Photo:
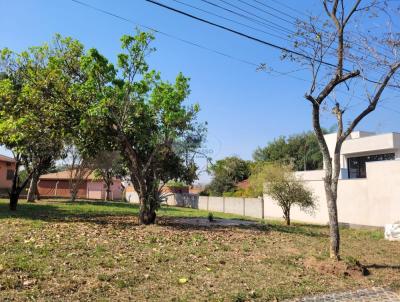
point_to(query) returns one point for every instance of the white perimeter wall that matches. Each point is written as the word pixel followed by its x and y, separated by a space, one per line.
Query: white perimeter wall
pixel 371 201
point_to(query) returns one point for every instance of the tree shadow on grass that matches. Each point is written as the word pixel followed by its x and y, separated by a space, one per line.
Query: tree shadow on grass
pixel 382 266
pixel 263 228
pixel 61 210
pixel 301 229
pixel 124 215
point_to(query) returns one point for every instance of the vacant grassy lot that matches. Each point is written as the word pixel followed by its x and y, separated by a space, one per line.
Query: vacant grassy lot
pixel 59 251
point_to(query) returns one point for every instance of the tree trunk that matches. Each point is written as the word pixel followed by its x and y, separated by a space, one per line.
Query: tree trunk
pixel 32 192
pixel 74 193
pixel 332 171
pixel 333 222
pixel 14 192
pixel 287 219
pixel 108 191
pixel 148 206
pixel 14 195
pixel 286 216
pixel 147 215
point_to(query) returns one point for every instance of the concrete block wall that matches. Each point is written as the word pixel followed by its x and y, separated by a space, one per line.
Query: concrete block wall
pixel 371 201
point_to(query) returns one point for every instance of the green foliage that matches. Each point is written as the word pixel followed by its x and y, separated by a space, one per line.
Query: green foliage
pixel 300 150
pixel 37 103
pixel 143 117
pixel 227 173
pixel 176 184
pixel 281 184
pixel 210 217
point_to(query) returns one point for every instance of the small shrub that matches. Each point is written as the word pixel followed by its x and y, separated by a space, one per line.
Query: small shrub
pixel 280 183
pixel 240 297
pixel 210 217
pixel 103 277
pixel 351 261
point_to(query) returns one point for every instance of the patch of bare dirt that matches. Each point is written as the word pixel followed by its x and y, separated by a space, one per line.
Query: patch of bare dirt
pixel 338 268
pixel 204 222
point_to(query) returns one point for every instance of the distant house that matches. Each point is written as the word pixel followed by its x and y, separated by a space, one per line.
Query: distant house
pixel 243 185
pixel 196 189
pixel 58 185
pixel 7 168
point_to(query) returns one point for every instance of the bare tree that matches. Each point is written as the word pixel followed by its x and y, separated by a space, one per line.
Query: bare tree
pixel 37 166
pixel 79 168
pixel 108 166
pixel 346 49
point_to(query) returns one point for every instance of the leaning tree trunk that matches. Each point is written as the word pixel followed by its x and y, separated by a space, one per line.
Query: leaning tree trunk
pixel 14 191
pixel 32 192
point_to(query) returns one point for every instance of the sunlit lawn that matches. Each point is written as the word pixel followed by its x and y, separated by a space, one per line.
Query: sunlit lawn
pixel 96 251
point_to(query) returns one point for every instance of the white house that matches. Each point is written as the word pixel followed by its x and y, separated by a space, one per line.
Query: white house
pixel 362 147
pixel 369 184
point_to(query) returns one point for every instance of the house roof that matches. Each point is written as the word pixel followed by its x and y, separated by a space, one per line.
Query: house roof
pixel 65 175
pixel 7 159
pixel 244 184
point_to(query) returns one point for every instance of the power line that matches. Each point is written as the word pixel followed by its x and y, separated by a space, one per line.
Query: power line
pixel 270 44
pixel 274 9
pixel 264 22
pixel 266 12
pixel 321 29
pixel 243 61
pixel 231 20
pixel 273 45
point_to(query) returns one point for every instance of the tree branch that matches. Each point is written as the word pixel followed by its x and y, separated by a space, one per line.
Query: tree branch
pixel 374 101
pixel 336 80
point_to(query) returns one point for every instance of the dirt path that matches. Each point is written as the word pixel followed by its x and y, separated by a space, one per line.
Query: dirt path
pixel 364 295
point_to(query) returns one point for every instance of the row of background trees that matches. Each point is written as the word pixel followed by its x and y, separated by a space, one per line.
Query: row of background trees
pixel 270 172
pixel 299 152
pixel 59 101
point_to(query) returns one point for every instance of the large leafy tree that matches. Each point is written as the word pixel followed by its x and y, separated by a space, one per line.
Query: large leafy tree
pixel 143 117
pixel 36 107
pixel 299 150
pixel 227 173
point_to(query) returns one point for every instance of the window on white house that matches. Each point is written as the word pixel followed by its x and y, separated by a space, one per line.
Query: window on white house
pixel 357 167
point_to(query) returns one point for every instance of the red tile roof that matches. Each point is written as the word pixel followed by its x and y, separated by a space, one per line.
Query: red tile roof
pixel 65 175
pixel 7 159
pixel 244 184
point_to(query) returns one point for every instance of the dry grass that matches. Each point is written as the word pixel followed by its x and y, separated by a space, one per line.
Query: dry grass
pixel 58 251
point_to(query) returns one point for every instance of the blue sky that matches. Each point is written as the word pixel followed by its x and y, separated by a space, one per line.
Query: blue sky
pixel 244 108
